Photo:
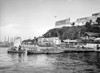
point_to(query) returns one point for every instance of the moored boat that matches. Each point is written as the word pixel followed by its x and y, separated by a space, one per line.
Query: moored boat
pixel 45 50
pixel 16 51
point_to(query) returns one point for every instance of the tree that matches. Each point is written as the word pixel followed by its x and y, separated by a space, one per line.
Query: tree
pixel 73 23
pixel 87 25
pixel 98 20
pixel 90 21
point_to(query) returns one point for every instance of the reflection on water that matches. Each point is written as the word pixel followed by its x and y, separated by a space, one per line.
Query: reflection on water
pixel 17 58
pixel 53 63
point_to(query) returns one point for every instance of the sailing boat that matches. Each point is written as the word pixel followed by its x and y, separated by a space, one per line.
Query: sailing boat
pixel 16 47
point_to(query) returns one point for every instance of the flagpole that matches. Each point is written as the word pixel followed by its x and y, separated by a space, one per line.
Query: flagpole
pixel 8 39
pixel 55 19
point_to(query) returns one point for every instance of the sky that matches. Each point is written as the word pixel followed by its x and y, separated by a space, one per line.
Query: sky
pixel 30 18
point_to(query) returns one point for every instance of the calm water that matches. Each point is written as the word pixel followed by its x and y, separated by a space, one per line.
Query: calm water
pixel 54 63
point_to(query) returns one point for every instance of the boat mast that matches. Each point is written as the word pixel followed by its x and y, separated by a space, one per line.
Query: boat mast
pixel 5 39
pixel 8 39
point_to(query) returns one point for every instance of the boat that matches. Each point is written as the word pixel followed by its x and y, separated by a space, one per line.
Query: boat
pixel 45 50
pixel 16 47
pixel 14 50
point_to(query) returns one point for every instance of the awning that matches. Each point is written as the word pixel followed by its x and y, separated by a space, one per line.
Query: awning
pixel 97 39
pixel 72 41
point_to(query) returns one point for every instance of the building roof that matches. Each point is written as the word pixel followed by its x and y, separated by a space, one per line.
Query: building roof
pixel 27 40
pixel 97 39
pixel 47 37
pixel 91 34
pixel 68 40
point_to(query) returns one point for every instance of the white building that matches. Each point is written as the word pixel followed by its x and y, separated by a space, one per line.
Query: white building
pixel 63 23
pixel 82 21
pixel 49 41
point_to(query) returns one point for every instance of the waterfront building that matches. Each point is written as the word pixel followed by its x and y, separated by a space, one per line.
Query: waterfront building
pixel 49 41
pixel 70 43
pixel 91 39
pixel 63 23
pixel 90 35
pixel 97 40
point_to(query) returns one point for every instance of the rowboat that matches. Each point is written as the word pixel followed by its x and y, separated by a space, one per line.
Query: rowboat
pixel 15 50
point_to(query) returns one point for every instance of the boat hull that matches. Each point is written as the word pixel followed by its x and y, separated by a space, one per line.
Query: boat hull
pixel 37 52
pixel 45 51
pixel 13 50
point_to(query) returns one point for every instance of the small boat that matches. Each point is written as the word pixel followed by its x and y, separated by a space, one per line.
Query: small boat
pixel 13 50
pixel 16 48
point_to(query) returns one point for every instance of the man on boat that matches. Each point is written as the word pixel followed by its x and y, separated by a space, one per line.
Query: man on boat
pixel 19 48
pixel 97 47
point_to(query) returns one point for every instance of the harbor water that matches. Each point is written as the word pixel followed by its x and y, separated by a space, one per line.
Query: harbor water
pixel 52 63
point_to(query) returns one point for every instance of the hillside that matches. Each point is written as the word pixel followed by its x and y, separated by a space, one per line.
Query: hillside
pixel 73 32
pixel 66 32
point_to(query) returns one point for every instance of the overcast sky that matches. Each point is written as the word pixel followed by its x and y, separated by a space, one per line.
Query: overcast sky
pixel 29 18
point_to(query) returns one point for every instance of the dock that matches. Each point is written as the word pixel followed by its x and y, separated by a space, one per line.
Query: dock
pixel 81 50
pixel 58 50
